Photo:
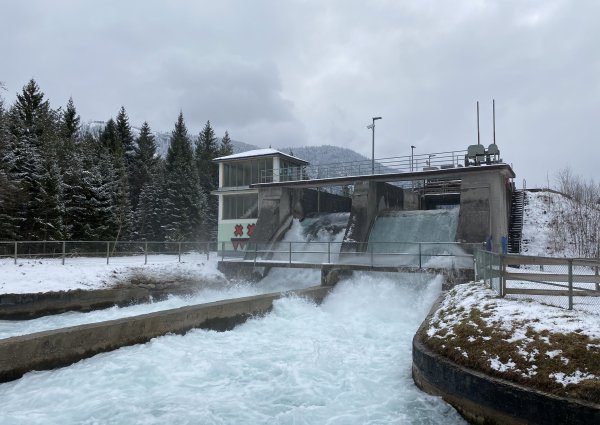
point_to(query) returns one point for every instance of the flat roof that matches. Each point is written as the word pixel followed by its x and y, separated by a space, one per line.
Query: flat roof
pixel 258 153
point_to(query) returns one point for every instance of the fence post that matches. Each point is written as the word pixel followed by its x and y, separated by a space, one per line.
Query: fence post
pixel 570 284
pixel 597 283
pixel 107 251
pixel 207 251
pixel 179 251
pixel 329 252
pixel 420 259
pixel 222 251
pixel 290 253
pixel 371 249
pixel 145 252
pixel 16 251
pixel 63 252
pixel 502 277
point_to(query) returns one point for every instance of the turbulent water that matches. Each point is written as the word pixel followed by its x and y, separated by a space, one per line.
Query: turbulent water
pixel 347 361
pixel 398 233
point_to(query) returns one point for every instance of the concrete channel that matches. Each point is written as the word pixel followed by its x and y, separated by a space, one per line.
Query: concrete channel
pixel 61 347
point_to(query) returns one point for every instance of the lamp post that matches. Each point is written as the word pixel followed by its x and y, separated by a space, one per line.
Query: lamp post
pixel 429 161
pixel 372 127
pixel 412 156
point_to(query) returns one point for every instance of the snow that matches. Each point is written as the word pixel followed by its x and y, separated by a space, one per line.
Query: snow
pixel 258 152
pixel 514 316
pixel 46 275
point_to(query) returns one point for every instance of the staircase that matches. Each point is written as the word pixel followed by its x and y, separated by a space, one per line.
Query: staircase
pixel 515 226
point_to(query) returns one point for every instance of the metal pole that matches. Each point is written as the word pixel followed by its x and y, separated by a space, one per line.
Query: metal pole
pixel 420 260
pixel 329 253
pixel 371 249
pixel 478 137
pixel 373 149
pixel 179 251
pixel 222 251
pixel 207 251
pixel 570 284
pixel 255 249
pixel 290 253
pixel 145 252
pixel 16 250
pixel 63 252
pixel 494 118
pixel 107 251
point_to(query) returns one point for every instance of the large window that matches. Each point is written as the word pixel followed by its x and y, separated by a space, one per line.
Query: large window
pixel 289 171
pixel 244 173
pixel 240 206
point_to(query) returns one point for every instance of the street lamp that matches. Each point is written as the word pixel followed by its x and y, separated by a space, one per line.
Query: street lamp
pixel 429 161
pixel 372 127
pixel 412 156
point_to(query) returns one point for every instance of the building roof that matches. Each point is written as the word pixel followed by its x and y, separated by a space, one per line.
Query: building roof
pixel 258 153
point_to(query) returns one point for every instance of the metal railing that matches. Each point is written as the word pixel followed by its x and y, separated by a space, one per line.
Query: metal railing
pixel 394 254
pixel 563 282
pixel 391 165
pixel 66 250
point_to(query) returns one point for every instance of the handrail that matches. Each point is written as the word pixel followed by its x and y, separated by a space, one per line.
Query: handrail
pixel 388 165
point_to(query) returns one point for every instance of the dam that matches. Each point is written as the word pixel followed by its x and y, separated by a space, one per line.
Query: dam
pixel 345 359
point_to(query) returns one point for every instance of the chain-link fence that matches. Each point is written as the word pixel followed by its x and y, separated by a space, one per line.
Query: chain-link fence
pixel 129 252
pixel 570 283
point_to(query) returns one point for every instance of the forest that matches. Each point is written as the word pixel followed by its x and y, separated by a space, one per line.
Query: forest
pixel 61 182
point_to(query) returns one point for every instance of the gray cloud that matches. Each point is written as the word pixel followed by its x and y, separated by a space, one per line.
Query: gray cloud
pixel 312 72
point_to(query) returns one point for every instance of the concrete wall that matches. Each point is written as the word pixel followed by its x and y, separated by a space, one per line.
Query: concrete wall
pixel 310 201
pixel 29 306
pixel 56 348
pixel 484 208
pixel 483 399
pixel 368 199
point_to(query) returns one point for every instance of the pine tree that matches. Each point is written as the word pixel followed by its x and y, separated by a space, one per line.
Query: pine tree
pixel 184 201
pixel 144 162
pixel 207 149
pixel 226 146
pixel 34 125
pixel 126 137
pixel 11 192
pixel 117 175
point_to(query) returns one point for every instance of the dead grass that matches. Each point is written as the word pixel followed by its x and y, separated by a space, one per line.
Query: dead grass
pixel 530 361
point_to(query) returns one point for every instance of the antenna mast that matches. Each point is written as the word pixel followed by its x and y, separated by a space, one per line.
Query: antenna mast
pixel 494 118
pixel 478 137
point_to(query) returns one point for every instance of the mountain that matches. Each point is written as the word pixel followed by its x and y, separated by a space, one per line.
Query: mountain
pixel 315 155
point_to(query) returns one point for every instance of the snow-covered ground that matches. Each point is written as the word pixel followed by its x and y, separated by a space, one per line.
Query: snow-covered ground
pixel 512 336
pixel 45 275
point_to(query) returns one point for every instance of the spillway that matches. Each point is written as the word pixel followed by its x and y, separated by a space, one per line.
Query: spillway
pixel 347 361
pixel 427 233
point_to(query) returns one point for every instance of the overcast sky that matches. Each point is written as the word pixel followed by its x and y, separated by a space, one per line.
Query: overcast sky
pixel 308 72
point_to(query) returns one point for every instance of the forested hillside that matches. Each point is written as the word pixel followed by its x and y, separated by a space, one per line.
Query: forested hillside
pixel 61 180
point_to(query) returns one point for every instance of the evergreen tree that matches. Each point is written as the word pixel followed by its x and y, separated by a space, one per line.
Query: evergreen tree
pixel 116 177
pixel 69 132
pixel 34 125
pixel 11 192
pixel 207 149
pixel 184 201
pixel 125 135
pixel 226 146
pixel 144 162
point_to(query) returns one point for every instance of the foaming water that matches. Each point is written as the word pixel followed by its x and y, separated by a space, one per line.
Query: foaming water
pixel 347 361
pixel 216 292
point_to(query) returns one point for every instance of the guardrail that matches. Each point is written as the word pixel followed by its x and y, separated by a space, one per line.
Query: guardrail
pixel 64 250
pixel 421 254
pixel 564 282
pixel 391 165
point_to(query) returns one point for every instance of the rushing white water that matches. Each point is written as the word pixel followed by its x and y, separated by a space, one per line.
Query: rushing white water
pixel 321 228
pixel 347 361
pixel 399 232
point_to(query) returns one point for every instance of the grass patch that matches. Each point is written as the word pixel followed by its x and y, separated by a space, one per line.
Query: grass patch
pixel 515 351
